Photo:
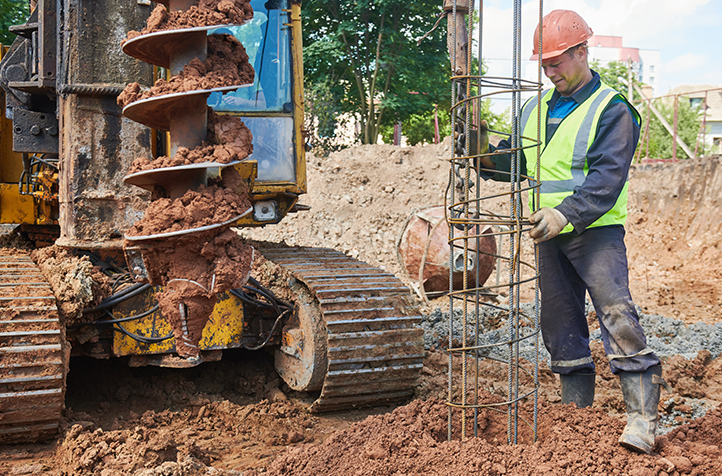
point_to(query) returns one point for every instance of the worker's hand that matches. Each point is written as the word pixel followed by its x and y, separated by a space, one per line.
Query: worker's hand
pixel 481 137
pixel 548 223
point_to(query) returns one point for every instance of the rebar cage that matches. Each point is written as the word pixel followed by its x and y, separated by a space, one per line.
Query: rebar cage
pixel 481 325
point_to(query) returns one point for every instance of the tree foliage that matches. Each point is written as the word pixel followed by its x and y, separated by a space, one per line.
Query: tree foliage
pixel 660 140
pixel 419 128
pixel 12 12
pixel 615 74
pixel 366 50
pixel 322 116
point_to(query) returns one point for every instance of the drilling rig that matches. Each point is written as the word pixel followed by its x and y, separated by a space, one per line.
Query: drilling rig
pixel 70 177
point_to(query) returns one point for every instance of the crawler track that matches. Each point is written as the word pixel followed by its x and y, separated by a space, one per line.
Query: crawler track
pixel 375 345
pixel 32 361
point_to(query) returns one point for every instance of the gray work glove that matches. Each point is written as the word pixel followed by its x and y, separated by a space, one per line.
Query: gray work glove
pixel 548 223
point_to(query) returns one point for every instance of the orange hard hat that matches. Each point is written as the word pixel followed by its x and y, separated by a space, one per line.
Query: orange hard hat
pixel 562 29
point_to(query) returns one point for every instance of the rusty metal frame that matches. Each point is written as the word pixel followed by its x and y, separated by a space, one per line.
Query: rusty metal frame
pixel 465 210
pixel 644 142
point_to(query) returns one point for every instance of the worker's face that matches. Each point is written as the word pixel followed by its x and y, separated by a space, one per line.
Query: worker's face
pixel 568 72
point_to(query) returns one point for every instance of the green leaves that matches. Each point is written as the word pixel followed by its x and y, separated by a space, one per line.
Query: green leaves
pixel 366 51
pixel 12 12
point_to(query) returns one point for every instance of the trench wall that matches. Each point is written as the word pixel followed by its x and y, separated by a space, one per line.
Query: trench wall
pixel 686 194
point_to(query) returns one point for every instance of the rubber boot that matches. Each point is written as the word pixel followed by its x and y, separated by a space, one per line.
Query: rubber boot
pixel 578 388
pixel 641 396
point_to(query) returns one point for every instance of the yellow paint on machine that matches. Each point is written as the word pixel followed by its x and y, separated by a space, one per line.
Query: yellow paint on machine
pixel 15 208
pixel 223 330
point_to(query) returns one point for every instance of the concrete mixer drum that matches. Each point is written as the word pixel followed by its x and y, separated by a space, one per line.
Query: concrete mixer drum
pixel 424 254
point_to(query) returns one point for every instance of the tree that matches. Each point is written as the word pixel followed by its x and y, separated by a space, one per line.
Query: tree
pixel 615 74
pixel 660 140
pixel 419 128
pixel 12 12
pixel 367 51
pixel 322 115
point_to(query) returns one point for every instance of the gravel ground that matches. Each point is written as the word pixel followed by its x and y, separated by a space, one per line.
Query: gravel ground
pixel 666 336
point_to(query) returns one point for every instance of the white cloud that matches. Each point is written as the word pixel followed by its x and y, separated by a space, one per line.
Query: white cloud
pixel 685 62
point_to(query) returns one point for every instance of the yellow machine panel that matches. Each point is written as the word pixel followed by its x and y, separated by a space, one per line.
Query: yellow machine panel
pixel 15 208
pixel 224 329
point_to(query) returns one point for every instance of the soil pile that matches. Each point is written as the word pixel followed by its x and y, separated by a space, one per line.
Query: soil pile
pixel 226 65
pixel 229 137
pixel 412 440
pixel 673 239
pixel 75 282
pixel 361 197
pixel 206 13
pixel 218 418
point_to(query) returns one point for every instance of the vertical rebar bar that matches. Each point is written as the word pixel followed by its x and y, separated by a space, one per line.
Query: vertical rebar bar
pixel 451 187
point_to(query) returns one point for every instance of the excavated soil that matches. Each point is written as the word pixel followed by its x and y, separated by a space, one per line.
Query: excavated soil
pixel 208 205
pixel 229 137
pixel 196 266
pixel 412 440
pixel 226 65
pixel 76 283
pixel 206 13
pixel 236 416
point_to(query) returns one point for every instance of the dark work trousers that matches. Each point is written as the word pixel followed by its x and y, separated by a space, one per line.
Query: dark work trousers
pixel 595 261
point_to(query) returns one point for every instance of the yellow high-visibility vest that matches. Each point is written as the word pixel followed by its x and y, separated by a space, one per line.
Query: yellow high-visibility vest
pixel 564 158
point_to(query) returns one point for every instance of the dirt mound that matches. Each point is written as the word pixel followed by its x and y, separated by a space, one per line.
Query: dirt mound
pixel 361 197
pixel 225 416
pixel 673 239
pixel 412 440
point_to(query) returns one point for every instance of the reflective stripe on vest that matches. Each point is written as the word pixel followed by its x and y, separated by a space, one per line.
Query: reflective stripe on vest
pixel 564 158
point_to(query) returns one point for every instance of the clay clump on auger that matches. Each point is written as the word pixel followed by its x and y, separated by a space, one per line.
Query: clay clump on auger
pixel 208 12
pixel 228 140
pixel 195 266
pixel 226 65
pixel 194 269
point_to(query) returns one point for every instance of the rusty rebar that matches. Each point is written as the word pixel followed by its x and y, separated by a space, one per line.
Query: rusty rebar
pixel 469 339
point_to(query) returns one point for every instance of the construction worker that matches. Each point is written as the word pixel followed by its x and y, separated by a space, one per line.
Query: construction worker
pixel 589 135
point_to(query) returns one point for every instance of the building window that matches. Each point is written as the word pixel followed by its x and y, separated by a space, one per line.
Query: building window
pixel 695 102
pixel 651 79
pixel 651 68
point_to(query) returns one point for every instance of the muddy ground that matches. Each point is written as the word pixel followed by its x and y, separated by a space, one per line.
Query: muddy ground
pixel 237 417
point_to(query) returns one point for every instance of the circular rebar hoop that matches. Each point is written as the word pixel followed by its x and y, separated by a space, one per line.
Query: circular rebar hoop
pixel 472 336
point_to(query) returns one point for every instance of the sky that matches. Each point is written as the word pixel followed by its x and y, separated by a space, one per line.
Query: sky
pixel 688 33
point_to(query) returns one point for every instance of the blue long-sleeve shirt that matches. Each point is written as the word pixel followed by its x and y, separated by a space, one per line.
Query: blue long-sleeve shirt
pixel 609 156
